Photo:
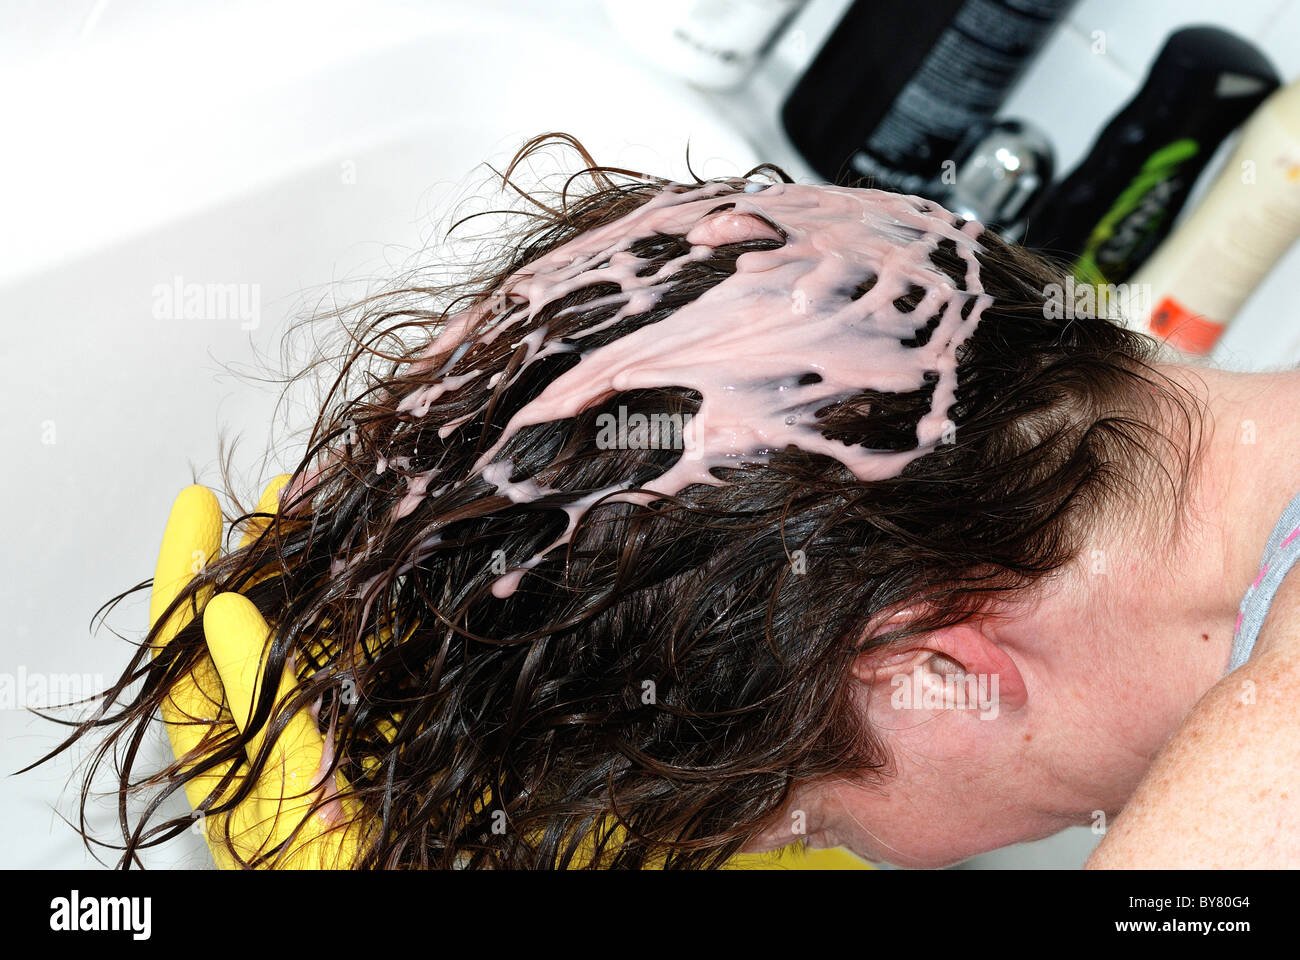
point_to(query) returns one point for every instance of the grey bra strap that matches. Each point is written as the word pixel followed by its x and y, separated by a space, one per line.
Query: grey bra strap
pixel 1280 554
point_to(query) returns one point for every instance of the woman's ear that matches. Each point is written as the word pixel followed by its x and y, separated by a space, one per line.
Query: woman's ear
pixel 949 667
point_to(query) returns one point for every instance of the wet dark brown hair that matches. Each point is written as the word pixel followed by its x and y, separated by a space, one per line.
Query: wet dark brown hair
pixel 533 710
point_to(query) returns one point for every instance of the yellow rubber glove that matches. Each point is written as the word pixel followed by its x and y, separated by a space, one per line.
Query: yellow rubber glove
pixel 793 858
pixel 219 695
pixel 238 639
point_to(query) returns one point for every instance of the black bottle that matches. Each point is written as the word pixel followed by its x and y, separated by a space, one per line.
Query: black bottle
pixel 897 86
pixel 1113 210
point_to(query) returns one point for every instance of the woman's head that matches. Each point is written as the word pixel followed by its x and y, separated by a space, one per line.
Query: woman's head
pixel 601 572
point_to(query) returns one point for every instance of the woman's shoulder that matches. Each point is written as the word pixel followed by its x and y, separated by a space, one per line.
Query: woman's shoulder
pixel 1224 792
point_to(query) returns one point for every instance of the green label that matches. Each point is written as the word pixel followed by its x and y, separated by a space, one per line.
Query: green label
pixel 1137 213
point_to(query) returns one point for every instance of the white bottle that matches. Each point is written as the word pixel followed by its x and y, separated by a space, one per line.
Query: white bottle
pixel 1192 287
pixel 711 43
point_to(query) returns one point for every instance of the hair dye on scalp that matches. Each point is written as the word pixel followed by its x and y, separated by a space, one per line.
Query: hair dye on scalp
pixel 812 322
pixel 879 392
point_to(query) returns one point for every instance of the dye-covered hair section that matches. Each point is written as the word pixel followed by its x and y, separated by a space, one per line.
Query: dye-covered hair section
pixel 848 300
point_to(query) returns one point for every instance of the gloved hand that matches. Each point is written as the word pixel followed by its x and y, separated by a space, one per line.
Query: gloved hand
pixel 238 639
pixel 218 698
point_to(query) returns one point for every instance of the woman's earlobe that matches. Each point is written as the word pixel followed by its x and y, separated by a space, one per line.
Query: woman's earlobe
pixel 947 668
pixel 984 660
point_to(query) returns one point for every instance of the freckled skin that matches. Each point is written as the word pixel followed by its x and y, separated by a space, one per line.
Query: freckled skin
pixel 1244 732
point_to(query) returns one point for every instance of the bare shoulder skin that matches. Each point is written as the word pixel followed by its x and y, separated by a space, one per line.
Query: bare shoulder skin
pixel 1224 792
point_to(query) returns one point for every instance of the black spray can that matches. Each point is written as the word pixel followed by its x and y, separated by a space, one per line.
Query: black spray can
pixel 898 86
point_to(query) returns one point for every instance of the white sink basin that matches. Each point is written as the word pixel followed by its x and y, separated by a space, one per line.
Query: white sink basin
pixel 175 116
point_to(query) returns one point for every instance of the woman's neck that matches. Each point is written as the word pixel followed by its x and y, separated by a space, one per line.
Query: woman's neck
pixel 1145 627
pixel 1247 471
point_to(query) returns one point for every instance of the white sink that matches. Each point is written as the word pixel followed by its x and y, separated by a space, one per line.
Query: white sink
pixel 129 132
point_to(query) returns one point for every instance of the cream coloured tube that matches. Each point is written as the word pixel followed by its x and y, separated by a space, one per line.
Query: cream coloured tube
pixel 1194 285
